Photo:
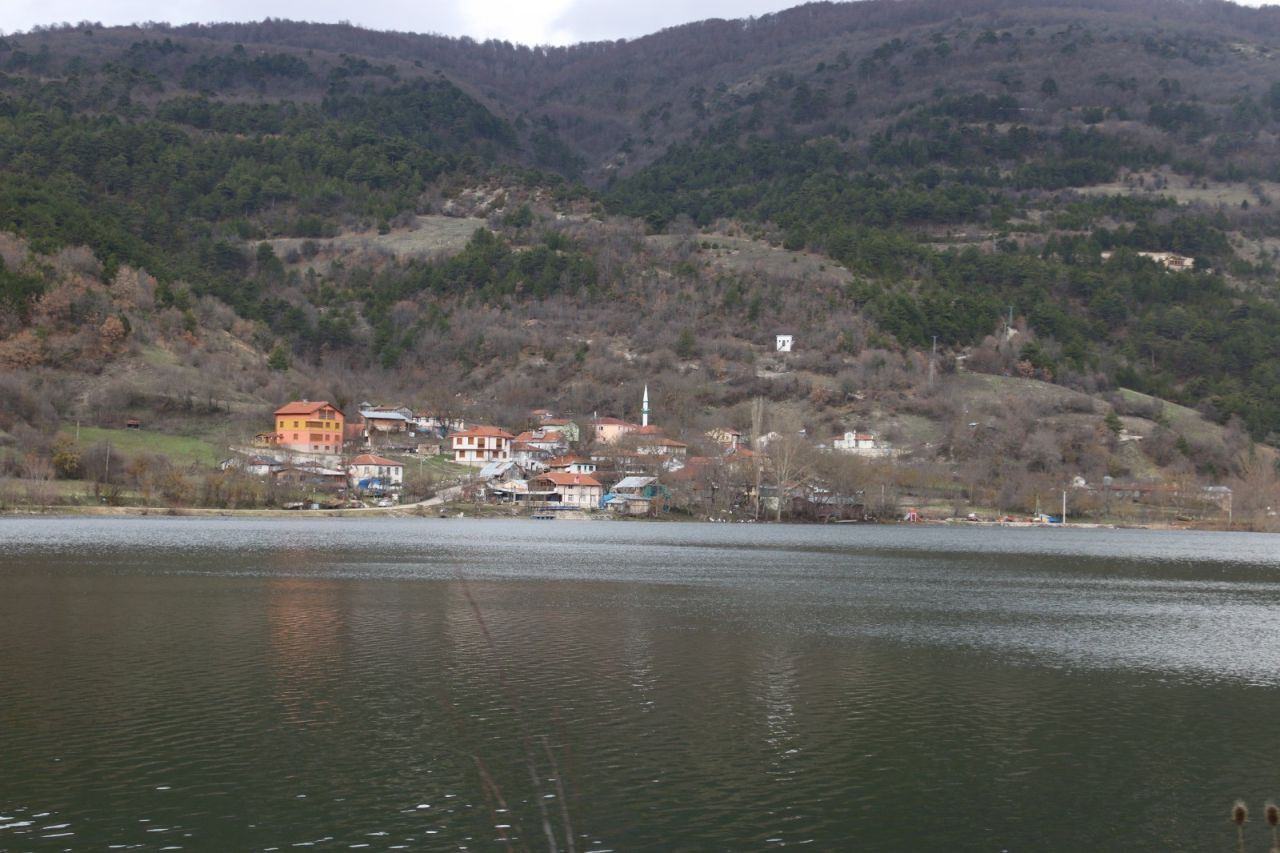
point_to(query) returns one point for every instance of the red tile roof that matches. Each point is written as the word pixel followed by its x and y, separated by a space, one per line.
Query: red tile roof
pixel 566 461
pixel 302 407
pixel 370 459
pixel 479 431
pixel 563 479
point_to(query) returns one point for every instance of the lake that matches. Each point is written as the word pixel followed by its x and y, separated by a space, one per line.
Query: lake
pixel 229 684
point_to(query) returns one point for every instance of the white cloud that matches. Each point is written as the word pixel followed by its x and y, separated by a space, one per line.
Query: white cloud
pixel 516 21
pixel 528 22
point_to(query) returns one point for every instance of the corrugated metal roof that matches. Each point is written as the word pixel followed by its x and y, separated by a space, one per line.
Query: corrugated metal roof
pixel 634 482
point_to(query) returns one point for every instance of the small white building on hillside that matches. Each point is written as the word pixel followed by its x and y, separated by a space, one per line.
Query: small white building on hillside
pixel 369 472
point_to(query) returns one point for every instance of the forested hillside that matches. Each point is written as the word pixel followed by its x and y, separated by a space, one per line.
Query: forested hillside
pixel 896 172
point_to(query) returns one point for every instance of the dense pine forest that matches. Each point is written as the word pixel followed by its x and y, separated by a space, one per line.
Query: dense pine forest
pixel 273 206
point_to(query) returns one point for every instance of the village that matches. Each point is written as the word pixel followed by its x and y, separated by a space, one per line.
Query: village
pixel 601 466
pixel 548 467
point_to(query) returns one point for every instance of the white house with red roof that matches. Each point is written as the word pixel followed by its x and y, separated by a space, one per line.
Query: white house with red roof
pixel 375 472
pixel 579 490
pixel 480 445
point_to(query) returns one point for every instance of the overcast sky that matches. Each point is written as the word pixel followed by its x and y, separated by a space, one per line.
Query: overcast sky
pixel 524 21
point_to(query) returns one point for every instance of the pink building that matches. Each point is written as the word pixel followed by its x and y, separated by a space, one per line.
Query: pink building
pixel 610 430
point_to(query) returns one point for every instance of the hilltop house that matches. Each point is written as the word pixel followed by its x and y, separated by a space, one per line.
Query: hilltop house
pixel 1171 261
pixel 308 426
pixel 726 437
pixel 611 430
pixel 480 445
pixel 860 444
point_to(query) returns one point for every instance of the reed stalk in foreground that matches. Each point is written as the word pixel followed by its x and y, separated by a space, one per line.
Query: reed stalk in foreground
pixel 1239 814
pixel 1272 813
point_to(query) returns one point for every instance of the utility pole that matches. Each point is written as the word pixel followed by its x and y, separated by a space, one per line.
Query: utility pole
pixel 1064 506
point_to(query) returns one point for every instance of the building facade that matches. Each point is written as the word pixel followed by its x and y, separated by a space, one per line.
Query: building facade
pixel 368 469
pixel 480 445
pixel 579 490
pixel 308 426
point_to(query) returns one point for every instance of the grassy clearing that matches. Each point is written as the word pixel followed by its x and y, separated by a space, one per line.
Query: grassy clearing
pixel 1183 189
pixel 180 449
pixel 441 467
pixel 1006 389
pixel 1187 422
pixel 744 256
pixel 427 237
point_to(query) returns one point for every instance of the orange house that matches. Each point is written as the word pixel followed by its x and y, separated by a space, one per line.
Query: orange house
pixel 310 427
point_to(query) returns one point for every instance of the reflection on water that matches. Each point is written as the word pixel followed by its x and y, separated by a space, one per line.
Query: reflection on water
pixel 221 684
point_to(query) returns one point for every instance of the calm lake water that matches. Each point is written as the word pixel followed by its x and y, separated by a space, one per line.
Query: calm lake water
pixel 218 684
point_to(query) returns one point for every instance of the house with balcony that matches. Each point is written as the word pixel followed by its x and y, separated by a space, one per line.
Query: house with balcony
pixel 480 445
pixel 577 490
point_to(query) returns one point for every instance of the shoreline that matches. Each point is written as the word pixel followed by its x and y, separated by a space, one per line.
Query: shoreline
pixel 430 511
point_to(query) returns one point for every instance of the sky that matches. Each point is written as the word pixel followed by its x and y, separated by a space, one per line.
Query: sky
pixel 529 22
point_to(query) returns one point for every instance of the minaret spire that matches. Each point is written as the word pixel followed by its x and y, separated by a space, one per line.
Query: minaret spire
pixel 644 409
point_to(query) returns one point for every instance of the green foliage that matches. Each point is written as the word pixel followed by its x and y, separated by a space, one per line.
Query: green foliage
pixel 279 358
pixel 434 114
pixel 1181 117
pixel 686 346
pixel 238 70
pixel 18 290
